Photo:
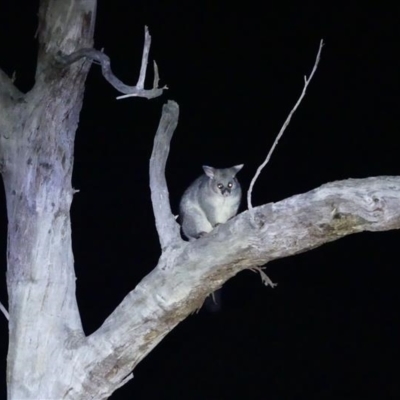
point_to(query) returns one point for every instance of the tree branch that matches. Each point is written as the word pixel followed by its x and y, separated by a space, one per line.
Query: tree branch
pixel 168 295
pixel 104 60
pixel 4 311
pixel 285 125
pixel 64 34
pixel 7 88
pixel 167 227
pixel 145 59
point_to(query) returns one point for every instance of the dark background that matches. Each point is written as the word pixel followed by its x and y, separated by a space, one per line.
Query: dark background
pixel 330 330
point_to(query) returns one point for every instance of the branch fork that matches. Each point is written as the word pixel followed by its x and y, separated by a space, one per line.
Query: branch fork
pixel 128 91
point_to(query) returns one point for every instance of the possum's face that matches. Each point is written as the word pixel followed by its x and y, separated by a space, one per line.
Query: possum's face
pixel 223 181
pixel 224 185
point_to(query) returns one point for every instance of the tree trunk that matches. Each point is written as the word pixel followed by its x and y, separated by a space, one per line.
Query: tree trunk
pixel 37 144
pixel 40 276
pixel 49 356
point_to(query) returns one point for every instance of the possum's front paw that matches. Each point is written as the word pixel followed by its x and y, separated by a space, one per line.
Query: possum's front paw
pixel 201 234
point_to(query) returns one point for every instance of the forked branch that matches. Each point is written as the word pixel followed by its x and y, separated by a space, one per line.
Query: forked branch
pixel 167 296
pixel 284 126
pixel 128 91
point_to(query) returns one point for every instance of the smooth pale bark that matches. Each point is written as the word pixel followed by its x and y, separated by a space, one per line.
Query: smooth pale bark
pixel 37 132
pixel 49 356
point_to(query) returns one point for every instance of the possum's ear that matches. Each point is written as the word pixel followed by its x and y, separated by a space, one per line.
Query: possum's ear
pixel 237 168
pixel 209 171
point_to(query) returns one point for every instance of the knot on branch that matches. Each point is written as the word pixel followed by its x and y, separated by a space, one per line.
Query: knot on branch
pixel 259 216
pixel 375 204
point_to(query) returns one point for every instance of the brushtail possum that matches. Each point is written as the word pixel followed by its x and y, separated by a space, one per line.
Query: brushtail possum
pixel 212 199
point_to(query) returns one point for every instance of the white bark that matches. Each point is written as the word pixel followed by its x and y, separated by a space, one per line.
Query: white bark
pixel 37 140
pixel 49 356
pixel 37 131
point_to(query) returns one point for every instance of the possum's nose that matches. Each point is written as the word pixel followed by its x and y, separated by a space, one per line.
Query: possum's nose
pixel 226 192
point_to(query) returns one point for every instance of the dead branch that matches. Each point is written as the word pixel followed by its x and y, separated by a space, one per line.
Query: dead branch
pixel 145 59
pixel 265 279
pixel 167 227
pixel 284 126
pixel 104 60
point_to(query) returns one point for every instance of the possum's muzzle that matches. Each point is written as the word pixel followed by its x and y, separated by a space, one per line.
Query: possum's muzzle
pixel 225 192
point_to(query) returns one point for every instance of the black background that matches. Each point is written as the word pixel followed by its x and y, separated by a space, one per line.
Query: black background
pixel 330 330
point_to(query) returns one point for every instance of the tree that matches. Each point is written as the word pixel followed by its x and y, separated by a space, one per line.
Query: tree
pixel 49 355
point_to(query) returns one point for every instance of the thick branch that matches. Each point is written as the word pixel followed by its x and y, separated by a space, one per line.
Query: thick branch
pixel 167 227
pixel 168 295
pixel 104 60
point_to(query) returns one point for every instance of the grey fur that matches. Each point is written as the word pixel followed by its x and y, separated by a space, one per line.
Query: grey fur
pixel 204 205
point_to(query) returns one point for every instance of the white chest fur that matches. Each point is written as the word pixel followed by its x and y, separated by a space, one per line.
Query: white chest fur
pixel 224 208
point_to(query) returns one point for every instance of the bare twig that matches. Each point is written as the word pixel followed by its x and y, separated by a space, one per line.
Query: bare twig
pixel 260 168
pixel 4 311
pixel 167 227
pixel 125 380
pixel 156 75
pixel 104 60
pixel 264 277
pixel 7 87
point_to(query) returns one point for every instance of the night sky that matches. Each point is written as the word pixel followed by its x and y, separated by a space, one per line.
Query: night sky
pixel 331 328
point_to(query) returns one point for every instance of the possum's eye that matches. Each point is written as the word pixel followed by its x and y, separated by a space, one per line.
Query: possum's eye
pixel 230 184
pixel 220 186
